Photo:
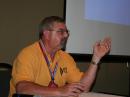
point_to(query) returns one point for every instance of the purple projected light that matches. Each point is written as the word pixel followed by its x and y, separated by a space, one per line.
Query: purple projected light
pixel 111 11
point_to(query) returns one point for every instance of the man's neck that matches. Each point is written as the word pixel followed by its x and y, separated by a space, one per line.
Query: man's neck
pixel 49 50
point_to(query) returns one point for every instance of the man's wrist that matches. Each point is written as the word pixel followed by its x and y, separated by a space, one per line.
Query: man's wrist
pixel 93 62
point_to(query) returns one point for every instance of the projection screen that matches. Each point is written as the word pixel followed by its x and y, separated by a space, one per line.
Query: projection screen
pixel 93 20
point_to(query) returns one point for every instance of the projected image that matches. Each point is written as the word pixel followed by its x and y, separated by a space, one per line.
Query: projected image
pixel 93 20
pixel 111 11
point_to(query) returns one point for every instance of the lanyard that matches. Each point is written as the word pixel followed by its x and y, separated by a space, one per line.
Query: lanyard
pixel 52 72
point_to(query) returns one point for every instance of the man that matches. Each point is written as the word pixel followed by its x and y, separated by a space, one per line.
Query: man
pixel 44 69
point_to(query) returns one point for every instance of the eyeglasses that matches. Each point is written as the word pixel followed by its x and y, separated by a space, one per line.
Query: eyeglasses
pixel 61 31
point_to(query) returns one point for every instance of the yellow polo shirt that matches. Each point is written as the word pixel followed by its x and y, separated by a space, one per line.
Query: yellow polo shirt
pixel 30 65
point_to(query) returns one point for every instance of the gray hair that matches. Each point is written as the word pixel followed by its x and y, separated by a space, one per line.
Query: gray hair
pixel 47 23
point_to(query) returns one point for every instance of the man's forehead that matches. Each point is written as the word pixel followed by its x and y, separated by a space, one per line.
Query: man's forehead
pixel 59 25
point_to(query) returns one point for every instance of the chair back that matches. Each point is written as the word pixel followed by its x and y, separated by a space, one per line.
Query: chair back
pixel 5 75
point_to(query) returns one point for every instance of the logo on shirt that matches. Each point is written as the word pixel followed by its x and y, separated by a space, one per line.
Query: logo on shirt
pixel 63 70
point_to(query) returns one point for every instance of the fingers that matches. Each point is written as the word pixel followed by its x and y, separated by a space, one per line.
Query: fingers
pixel 97 43
pixel 79 86
pixel 101 48
pixel 106 43
pixel 75 88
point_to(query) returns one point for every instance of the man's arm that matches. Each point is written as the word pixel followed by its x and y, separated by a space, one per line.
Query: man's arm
pixel 89 76
pixel 26 87
pixel 100 49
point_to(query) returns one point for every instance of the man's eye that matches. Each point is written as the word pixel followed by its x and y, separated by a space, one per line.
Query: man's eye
pixel 61 31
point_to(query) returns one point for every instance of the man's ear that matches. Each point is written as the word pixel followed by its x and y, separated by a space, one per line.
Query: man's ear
pixel 46 34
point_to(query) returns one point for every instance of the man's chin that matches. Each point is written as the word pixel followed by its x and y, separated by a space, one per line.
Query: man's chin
pixel 63 47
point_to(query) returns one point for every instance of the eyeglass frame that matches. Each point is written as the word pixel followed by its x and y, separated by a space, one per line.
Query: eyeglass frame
pixel 61 31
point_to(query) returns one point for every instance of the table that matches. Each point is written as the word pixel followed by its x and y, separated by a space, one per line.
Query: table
pixel 94 94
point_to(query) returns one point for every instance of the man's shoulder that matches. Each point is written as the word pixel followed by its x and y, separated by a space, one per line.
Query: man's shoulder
pixel 32 45
pixel 30 48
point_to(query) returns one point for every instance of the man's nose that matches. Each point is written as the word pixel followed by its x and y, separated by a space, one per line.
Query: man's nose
pixel 66 34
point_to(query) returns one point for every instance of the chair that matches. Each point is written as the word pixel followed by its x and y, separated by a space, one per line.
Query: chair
pixel 5 75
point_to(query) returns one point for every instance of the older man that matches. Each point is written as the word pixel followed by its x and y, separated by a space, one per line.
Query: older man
pixel 44 69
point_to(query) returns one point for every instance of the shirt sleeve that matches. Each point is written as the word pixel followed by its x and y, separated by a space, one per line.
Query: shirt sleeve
pixel 73 72
pixel 22 67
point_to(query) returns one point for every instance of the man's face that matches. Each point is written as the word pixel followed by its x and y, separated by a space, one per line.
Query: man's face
pixel 58 36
